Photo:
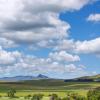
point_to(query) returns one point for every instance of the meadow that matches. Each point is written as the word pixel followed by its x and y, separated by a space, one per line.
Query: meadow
pixel 22 93
pixel 45 87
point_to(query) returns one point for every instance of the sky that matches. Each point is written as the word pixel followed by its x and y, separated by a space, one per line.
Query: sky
pixel 56 38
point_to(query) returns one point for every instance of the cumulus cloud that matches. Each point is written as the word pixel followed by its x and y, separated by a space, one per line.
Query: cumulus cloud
pixel 36 23
pixel 37 20
pixel 65 44
pixel 64 57
pixel 90 46
pixel 5 43
pixel 72 68
pixel 7 58
pixel 56 30
pixel 82 47
pixel 94 17
pixel 28 64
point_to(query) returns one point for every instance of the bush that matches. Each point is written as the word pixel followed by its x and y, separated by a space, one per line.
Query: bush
pixel 37 97
pixel 27 97
pixel 54 97
pixel 94 94
pixel 11 93
pixel 74 96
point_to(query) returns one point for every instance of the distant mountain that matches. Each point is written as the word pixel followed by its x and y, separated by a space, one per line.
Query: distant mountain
pixel 42 76
pixel 17 78
pixel 95 78
pixel 21 78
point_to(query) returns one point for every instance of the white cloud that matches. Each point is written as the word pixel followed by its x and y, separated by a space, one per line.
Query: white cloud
pixel 16 62
pixel 64 57
pixel 7 43
pixel 82 47
pixel 36 19
pixel 37 23
pixel 91 46
pixel 72 68
pixel 94 17
pixel 65 44
pixel 7 58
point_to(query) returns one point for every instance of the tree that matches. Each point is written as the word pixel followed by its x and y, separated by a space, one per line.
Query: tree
pixel 54 97
pixel 37 97
pixel 11 93
pixel 28 97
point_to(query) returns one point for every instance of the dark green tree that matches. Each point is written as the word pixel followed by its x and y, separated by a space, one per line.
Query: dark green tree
pixel 37 97
pixel 54 97
pixel 11 93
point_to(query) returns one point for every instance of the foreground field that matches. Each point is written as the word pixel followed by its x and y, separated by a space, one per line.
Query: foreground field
pixel 45 87
pixel 20 98
pixel 61 93
pixel 22 94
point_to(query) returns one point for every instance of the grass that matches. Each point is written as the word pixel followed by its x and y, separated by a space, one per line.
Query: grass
pixel 22 94
pixel 46 88
pixel 46 93
pixel 20 98
pixel 61 93
pixel 48 85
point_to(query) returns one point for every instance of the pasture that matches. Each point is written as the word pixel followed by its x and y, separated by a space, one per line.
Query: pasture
pixel 46 88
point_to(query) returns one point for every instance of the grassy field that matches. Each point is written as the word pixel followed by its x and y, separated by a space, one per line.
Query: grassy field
pixel 45 87
pixel 22 94
pixel 52 85
pixel 20 98
pixel 46 93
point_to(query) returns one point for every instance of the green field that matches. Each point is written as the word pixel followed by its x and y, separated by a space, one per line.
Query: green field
pixel 45 87
pixel 23 93
pixel 52 85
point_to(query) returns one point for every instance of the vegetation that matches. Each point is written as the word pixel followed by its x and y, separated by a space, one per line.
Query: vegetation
pixel 54 97
pixel 48 84
pixel 92 94
pixel 11 93
pixel 50 89
pixel 37 97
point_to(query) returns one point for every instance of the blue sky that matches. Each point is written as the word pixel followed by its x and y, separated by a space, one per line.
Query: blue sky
pixel 81 28
pixel 84 30
pixel 60 39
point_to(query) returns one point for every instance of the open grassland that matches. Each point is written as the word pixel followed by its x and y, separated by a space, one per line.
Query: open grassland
pixel 49 85
pixel 45 87
pixel 21 98
pixel 23 93
pixel 46 93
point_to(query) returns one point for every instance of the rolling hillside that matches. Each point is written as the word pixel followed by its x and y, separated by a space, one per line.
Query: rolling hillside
pixel 95 77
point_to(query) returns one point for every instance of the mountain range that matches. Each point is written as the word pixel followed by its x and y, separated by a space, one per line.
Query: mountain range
pixel 41 77
pixel 21 78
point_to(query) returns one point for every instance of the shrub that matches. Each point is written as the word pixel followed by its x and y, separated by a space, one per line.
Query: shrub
pixel 74 96
pixel 94 94
pixel 37 97
pixel 11 93
pixel 54 97
pixel 27 97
